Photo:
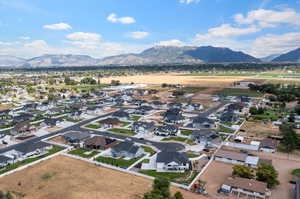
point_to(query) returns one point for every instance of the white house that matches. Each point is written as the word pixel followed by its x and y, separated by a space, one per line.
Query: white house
pixel 172 162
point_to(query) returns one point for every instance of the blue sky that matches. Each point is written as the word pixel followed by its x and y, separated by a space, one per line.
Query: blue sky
pixel 102 28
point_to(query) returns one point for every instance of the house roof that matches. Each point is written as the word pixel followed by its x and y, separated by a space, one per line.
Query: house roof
pixel 126 146
pixel 247 184
pixel 99 141
pixel 167 157
pixel 269 143
pixel 202 120
pixel 146 125
pixel 4 159
pixel 27 148
pixel 76 135
pixel 167 128
pixel 120 114
pixel 112 121
pixel 231 155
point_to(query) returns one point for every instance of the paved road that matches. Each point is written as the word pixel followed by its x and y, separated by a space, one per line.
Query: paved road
pixel 77 127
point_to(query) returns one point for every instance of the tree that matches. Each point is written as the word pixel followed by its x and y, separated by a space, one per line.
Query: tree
pixel 115 82
pixel 242 171
pixel 290 138
pixel 88 80
pixel 267 173
pixel 161 190
pixel 292 117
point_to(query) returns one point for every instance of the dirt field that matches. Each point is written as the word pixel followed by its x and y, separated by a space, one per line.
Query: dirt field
pixel 58 139
pixel 215 176
pixel 260 130
pixel 67 178
pixel 284 164
pixel 207 81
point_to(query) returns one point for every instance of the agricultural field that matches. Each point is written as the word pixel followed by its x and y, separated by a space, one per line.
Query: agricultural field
pixel 64 177
pixel 237 92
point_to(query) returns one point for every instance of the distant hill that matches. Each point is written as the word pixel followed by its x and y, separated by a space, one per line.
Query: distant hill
pixel 154 55
pixel 269 58
pixel 11 61
pixel 61 60
pixel 181 55
pixel 213 54
pixel 292 56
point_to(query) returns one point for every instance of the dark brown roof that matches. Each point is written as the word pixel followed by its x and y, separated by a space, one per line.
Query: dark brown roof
pixel 112 121
pixel 247 184
pixel 269 143
pixel 99 141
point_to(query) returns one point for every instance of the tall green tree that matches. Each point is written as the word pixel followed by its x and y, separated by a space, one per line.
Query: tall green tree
pixel 242 171
pixel 267 173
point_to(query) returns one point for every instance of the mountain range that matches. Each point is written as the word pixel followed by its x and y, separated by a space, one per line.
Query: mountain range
pixel 151 56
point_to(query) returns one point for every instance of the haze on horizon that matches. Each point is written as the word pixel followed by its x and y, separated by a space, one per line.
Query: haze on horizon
pixel 30 28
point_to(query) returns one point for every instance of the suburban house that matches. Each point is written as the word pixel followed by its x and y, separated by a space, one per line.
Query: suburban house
pixel 76 137
pixel 143 127
pixel 167 130
pixel 99 143
pixel 4 161
pixel 238 108
pixel 202 122
pixel 229 117
pixel 94 110
pixel 23 128
pixel 23 117
pixel 127 149
pixel 142 110
pixel 193 107
pixel 172 162
pixel 110 123
pixel 249 187
pixel 234 157
pixel 75 115
pixel 268 145
pixel 121 115
pixel 34 149
pixel 157 104
pixel 175 105
pixel 173 115
pixel 206 137
pixel 51 122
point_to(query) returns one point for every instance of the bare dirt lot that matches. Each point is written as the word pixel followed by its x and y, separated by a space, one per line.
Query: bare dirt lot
pixel 260 130
pixel 207 81
pixel 215 176
pixel 65 178
pixel 58 139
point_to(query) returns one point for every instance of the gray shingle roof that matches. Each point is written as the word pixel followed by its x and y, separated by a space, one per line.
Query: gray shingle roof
pixel 167 157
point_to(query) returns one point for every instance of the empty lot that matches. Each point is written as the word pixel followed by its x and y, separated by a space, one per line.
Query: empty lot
pixel 67 178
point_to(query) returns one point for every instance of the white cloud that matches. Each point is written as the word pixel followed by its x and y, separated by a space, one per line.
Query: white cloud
pixel 124 20
pixel 58 26
pixel 226 30
pixel 274 44
pixel 269 18
pixel 37 44
pixel 84 36
pixel 173 42
pixel 138 35
pixel 189 1
pixel 24 38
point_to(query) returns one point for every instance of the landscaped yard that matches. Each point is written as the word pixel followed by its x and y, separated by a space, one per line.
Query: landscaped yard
pixel 226 130
pixel 135 118
pixel 181 178
pixel 54 149
pixel 122 131
pixel 118 162
pixel 148 149
pixel 72 120
pixel 93 126
pixel 84 153
pixel 180 139
pixel 237 92
pixel 186 132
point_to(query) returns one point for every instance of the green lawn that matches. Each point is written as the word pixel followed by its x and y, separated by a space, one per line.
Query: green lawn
pixel 186 132
pixel 118 162
pixel 226 130
pixel 174 177
pixel 55 149
pixel 122 131
pixel 72 120
pixel 192 155
pixel 135 118
pixel 296 172
pixel 93 126
pixel 180 139
pixel 148 149
pixel 125 124
pixel 237 92
pixel 80 152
